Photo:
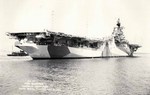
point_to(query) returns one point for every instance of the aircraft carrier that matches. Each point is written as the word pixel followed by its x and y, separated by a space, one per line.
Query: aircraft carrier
pixel 53 45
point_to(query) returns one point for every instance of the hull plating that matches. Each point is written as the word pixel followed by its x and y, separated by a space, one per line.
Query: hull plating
pixel 51 51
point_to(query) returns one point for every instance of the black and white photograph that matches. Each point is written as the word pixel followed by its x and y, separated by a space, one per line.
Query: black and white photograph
pixel 74 47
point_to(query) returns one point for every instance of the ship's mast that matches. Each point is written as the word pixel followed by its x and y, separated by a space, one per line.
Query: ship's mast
pixel 118 29
pixel 52 20
pixel 118 23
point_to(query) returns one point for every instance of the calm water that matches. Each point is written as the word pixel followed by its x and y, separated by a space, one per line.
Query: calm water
pixel 112 76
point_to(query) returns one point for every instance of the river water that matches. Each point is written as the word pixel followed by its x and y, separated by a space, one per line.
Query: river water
pixel 100 76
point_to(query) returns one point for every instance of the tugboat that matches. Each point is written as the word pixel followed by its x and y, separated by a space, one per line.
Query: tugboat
pixel 21 53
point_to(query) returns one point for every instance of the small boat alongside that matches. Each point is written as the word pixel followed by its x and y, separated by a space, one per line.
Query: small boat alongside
pixel 20 53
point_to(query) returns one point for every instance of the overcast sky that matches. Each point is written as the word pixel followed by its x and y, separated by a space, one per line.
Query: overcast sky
pixel 90 18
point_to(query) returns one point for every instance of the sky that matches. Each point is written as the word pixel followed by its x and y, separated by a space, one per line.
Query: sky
pixel 86 18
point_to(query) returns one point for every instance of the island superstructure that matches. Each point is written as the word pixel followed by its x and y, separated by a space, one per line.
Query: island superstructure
pixel 51 45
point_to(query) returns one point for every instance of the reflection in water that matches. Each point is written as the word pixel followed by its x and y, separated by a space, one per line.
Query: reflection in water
pixel 112 76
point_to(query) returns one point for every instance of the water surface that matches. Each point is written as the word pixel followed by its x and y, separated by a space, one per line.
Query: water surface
pixel 101 76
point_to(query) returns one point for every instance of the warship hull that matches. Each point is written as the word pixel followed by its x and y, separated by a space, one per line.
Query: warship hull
pixel 58 52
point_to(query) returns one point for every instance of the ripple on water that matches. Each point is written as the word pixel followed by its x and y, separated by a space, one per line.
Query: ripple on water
pixel 111 76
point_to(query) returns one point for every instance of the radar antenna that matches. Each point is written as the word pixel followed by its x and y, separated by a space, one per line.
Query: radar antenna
pixel 118 23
